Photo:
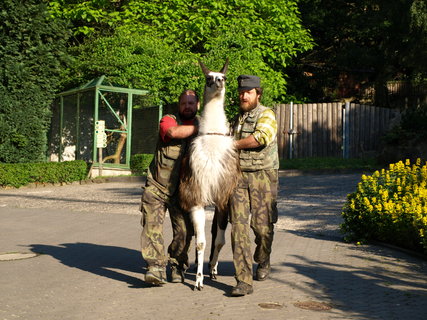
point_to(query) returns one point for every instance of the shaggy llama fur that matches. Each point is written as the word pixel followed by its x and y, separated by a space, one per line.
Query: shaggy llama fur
pixel 212 171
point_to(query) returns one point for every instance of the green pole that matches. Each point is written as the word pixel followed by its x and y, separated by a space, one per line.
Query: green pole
pixel 129 130
pixel 94 153
pixel 160 111
pixel 61 124
pixel 77 152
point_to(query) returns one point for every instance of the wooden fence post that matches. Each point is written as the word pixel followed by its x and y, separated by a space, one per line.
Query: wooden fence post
pixel 346 130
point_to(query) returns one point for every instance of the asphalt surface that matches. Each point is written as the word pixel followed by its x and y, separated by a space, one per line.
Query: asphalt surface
pixel 83 261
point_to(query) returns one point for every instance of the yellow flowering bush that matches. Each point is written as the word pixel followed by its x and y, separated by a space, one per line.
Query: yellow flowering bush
pixel 390 206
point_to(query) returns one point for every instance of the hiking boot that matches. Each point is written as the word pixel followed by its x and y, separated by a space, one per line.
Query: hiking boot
pixel 241 289
pixel 177 274
pixel 156 276
pixel 263 270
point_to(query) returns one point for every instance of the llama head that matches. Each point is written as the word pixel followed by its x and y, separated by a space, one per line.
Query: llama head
pixel 215 81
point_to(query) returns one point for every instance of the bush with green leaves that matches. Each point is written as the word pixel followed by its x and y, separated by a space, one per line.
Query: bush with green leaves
pixel 140 61
pixel 390 206
pixel 32 53
pixel 155 45
pixel 21 174
pixel 412 127
pixel 147 62
pixel 139 163
pixel 273 27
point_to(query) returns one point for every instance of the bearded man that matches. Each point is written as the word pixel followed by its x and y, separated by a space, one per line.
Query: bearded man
pixel 161 193
pixel 255 131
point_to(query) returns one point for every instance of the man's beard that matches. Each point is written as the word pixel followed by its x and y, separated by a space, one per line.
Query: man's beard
pixel 185 116
pixel 248 107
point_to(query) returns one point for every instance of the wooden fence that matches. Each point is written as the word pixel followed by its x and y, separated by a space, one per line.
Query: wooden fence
pixel 331 129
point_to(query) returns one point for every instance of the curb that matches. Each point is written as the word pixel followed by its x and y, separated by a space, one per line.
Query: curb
pixel 297 172
pixel 400 249
pixel 35 185
pixel 142 179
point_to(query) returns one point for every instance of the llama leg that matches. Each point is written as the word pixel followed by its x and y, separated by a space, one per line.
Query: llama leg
pixel 198 216
pixel 219 224
pixel 219 243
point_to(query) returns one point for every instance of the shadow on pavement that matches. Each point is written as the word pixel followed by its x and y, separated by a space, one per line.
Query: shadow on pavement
pixel 375 248
pixel 377 291
pixel 98 259
pixel 225 269
pixel 319 235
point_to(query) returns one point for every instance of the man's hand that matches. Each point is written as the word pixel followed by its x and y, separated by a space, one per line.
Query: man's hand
pixel 246 143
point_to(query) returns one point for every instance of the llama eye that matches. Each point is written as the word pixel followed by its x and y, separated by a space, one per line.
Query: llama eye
pixel 224 78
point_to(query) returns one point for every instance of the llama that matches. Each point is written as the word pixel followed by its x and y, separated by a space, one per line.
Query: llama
pixel 212 170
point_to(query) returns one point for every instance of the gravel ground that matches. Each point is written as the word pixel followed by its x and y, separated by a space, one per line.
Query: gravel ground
pixel 89 265
pixel 306 203
pixel 313 203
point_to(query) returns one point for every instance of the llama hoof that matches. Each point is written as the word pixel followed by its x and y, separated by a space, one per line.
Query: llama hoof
pixel 199 284
pixel 199 287
pixel 213 272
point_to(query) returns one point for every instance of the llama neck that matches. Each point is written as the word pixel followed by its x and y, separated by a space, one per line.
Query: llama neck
pixel 213 118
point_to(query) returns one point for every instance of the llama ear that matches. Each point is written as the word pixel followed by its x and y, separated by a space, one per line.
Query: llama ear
pixel 224 68
pixel 205 70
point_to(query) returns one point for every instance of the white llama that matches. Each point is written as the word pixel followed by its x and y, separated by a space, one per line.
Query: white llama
pixel 212 171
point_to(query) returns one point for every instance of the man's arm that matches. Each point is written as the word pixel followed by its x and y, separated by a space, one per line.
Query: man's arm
pixel 246 143
pixel 181 132
pixel 265 132
pixel 169 129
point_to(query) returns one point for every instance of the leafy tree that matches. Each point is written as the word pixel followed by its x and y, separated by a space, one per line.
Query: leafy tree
pixel 32 50
pixel 136 61
pixel 418 28
pixel 244 59
pixel 372 41
pixel 272 30
pixel 167 69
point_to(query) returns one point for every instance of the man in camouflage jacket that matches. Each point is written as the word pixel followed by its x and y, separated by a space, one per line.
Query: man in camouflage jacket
pixel 161 193
pixel 255 130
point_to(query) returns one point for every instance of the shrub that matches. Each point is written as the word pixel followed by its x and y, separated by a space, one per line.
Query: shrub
pixel 413 126
pixel 20 174
pixel 390 206
pixel 166 69
pixel 32 55
pixel 139 163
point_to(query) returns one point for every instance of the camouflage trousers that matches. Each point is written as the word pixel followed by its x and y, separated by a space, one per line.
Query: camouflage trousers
pixel 153 207
pixel 255 198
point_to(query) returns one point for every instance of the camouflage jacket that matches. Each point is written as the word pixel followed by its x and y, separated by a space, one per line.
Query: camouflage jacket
pixel 265 156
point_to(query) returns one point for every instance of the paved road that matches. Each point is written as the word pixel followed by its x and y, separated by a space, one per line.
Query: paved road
pixel 89 266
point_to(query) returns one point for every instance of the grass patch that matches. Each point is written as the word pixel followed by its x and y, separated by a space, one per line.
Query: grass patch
pixel 328 163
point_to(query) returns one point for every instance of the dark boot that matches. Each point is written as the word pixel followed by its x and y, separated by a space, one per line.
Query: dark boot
pixel 177 274
pixel 263 270
pixel 241 289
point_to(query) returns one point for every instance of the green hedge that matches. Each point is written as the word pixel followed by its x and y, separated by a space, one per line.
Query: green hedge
pixel 20 174
pixel 33 55
pixel 139 163
pixel 390 206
